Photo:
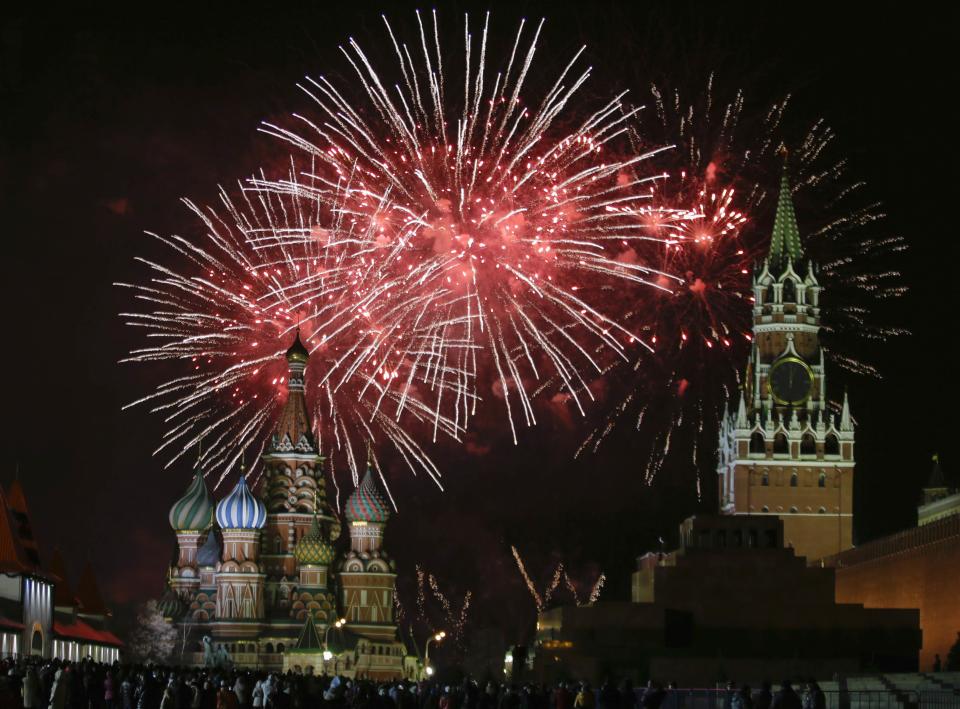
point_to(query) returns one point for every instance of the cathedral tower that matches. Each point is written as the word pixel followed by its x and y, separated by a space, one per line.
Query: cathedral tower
pixel 783 452
pixel 239 578
pixel 294 489
pixel 191 517
pixel 367 574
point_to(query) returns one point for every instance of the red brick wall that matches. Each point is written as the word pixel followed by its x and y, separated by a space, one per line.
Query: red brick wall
pixel 918 568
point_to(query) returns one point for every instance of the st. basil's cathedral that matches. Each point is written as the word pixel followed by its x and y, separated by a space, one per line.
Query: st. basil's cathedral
pixel 259 577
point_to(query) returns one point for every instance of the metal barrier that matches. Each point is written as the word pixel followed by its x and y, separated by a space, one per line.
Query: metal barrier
pixel 835 699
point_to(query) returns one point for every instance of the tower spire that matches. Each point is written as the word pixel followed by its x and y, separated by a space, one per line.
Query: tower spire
pixel 785 239
pixel 293 432
pixel 846 423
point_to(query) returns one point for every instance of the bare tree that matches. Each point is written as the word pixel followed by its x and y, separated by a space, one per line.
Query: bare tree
pixel 154 639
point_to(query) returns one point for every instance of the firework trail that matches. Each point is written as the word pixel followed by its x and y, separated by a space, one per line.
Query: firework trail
pixel 537 599
pixel 595 591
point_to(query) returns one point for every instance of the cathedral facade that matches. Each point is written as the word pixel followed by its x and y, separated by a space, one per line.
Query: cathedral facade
pixel 257 573
pixel 784 452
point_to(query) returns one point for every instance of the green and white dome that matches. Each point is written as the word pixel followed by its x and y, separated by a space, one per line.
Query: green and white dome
pixel 194 511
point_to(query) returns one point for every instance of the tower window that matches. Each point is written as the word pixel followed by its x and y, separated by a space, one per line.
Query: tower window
pixel 765 479
pixel 780 445
pixel 832 445
pixel 757 444
pixel 822 480
pixel 789 291
pixel 768 296
pixel 794 481
pixel 808 446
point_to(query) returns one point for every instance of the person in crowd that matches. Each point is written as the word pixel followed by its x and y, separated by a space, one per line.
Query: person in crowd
pixel 31 692
pixel 764 697
pixel 585 698
pixel 786 697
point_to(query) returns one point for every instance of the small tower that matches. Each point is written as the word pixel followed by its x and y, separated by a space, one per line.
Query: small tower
pixel 191 516
pixel 314 554
pixel 239 581
pixel 939 499
pixel 367 574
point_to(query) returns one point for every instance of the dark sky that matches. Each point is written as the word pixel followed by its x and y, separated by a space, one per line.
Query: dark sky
pixel 109 117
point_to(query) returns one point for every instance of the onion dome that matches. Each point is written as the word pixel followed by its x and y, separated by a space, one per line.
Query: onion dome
pixel 313 549
pixel 298 351
pixel 366 504
pixel 170 605
pixel 209 553
pixel 194 511
pixel 240 509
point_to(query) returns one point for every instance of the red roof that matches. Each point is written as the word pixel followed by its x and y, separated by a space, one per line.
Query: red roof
pixel 5 623
pixel 78 630
pixel 11 553
pixel 88 593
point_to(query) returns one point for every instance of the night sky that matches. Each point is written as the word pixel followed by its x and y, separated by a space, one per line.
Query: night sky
pixel 109 117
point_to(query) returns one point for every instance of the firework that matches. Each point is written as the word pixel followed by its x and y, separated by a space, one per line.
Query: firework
pixel 716 203
pixel 433 249
pixel 512 219
pixel 229 317
pixel 542 601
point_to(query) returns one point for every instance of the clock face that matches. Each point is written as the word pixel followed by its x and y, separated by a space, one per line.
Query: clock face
pixel 791 381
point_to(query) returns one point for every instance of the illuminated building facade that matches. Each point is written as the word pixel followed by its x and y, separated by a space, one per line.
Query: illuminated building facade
pixel 39 614
pixel 256 571
pixel 783 452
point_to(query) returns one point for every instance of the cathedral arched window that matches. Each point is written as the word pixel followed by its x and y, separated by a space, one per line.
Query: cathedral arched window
pixel 789 291
pixel 757 444
pixel 768 295
pixel 280 648
pixel 808 446
pixel 780 444
pixel 794 481
pixel 268 648
pixel 822 480
pixel 832 445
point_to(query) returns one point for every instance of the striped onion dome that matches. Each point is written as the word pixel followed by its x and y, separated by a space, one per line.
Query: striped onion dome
pixel 313 549
pixel 194 511
pixel 366 504
pixel 170 605
pixel 240 509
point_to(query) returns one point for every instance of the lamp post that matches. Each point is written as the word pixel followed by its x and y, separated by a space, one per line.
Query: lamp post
pixel 426 652
pixel 327 655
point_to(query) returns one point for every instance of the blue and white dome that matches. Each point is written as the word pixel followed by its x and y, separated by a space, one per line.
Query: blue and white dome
pixel 240 509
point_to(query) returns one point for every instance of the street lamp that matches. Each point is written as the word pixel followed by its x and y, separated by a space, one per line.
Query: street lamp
pixel 327 655
pixel 426 654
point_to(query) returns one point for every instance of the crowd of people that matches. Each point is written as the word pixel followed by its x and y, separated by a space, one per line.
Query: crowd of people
pixel 54 684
